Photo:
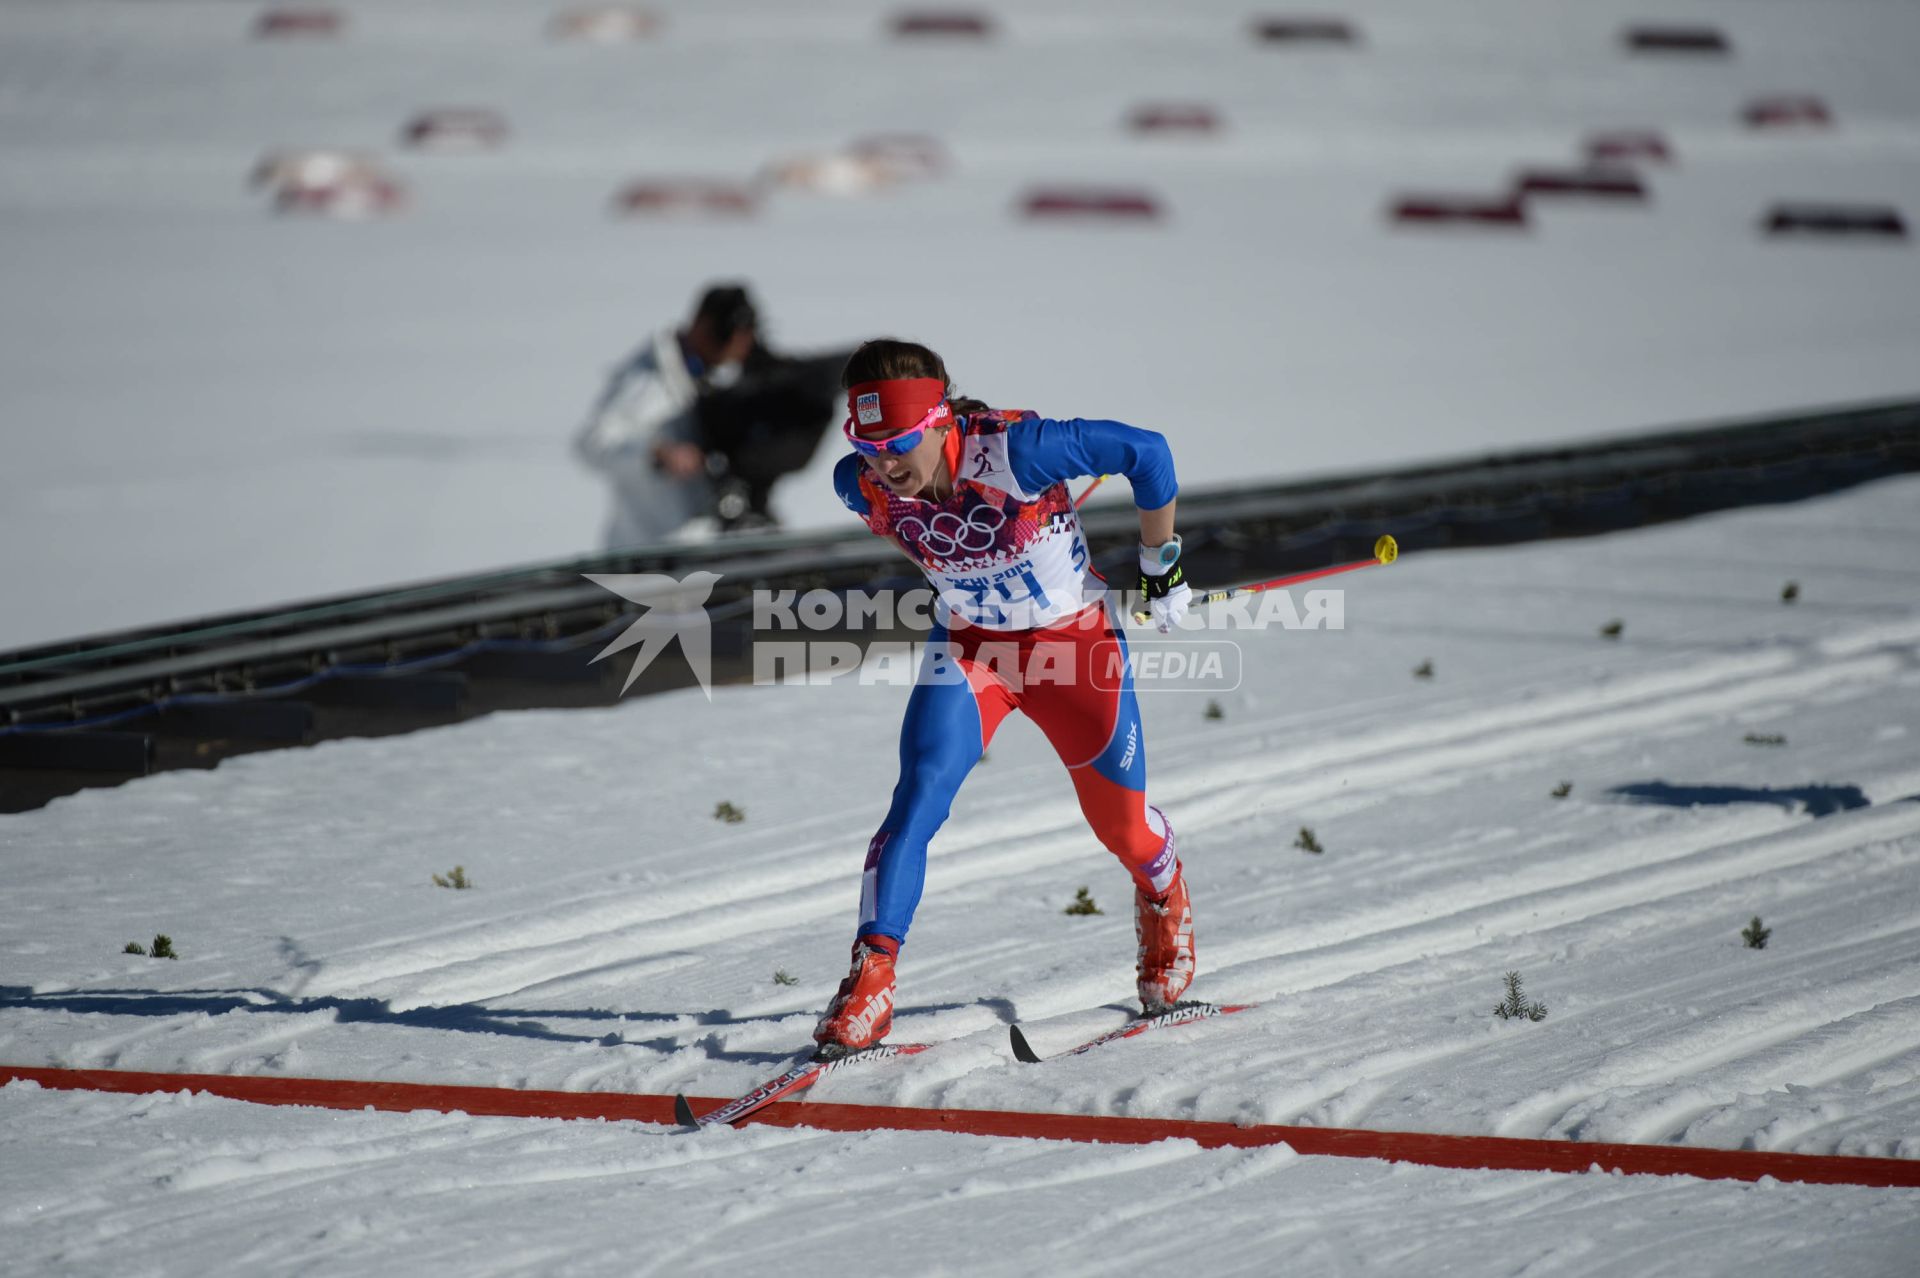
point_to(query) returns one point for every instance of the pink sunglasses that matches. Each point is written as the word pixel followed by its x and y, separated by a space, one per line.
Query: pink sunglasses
pixel 904 441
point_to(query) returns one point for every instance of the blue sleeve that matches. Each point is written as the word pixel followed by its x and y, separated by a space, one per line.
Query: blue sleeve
pixel 846 482
pixel 1042 452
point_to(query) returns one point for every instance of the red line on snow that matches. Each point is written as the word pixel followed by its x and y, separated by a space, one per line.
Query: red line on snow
pixel 1475 1152
pixel 347 1093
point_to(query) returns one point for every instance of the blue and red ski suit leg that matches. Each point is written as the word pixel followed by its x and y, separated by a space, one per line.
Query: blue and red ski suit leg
pixel 1073 681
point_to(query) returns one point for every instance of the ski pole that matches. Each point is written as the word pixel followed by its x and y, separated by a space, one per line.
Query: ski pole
pixel 1087 492
pixel 1385 551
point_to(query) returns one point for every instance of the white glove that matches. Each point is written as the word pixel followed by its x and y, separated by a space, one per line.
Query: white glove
pixel 1163 591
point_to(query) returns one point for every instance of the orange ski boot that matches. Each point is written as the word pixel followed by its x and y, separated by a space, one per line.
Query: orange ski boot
pixel 1165 928
pixel 862 1012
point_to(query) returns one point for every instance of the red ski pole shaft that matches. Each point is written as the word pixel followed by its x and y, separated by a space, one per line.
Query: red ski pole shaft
pixel 1385 551
pixel 1087 492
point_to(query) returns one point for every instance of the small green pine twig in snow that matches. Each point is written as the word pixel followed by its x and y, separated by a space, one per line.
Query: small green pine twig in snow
pixel 1515 1005
pixel 1083 904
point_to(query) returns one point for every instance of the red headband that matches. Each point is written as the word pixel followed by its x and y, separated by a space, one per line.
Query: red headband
pixel 880 409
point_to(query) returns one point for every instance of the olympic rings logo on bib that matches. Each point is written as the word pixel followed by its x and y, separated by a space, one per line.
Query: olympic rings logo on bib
pixel 948 534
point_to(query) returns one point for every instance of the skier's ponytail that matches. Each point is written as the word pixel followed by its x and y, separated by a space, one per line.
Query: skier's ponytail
pixel 887 359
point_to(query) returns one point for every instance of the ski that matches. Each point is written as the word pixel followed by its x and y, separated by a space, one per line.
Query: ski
pixel 798 1079
pixel 1178 1014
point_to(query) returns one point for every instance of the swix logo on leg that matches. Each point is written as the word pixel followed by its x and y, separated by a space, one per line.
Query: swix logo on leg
pixel 1133 745
pixel 1159 871
pixel 870 880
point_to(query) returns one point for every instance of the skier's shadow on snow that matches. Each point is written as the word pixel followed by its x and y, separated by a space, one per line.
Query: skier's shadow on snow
pixel 1815 800
pixel 466 1018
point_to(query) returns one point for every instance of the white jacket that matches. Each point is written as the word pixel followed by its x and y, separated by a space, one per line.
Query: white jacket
pixel 648 402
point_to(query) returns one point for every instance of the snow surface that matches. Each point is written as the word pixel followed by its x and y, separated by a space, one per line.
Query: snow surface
pixel 619 938
pixel 197 1185
pixel 206 407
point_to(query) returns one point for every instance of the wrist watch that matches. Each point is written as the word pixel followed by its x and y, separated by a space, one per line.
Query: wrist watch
pixel 1166 554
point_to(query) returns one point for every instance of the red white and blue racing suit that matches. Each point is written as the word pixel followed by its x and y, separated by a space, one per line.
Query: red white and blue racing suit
pixel 1022 625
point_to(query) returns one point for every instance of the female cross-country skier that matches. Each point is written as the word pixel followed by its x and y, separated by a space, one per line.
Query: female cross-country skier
pixel 977 498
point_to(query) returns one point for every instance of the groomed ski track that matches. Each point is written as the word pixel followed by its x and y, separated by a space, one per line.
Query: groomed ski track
pixel 620 940
pixel 1425 1148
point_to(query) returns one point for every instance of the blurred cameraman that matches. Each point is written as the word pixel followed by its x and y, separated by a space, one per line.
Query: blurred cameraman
pixel 694 429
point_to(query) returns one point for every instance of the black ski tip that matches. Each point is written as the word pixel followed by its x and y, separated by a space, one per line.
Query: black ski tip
pixel 1022 1050
pixel 683 1111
